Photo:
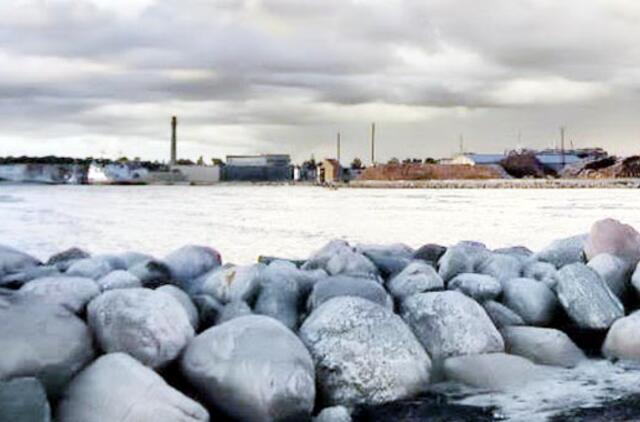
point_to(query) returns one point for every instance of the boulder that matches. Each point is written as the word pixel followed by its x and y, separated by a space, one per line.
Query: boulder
pixel 532 300
pixel 461 258
pixel 132 258
pixel 333 414
pixel 116 262
pixel 93 268
pixel 233 310
pixel 521 252
pixel 541 271
pixel 545 346
pixel 501 315
pixel 430 253
pixel 337 286
pixel 492 371
pixel 394 249
pixel 71 292
pixel 42 340
pixel 586 298
pixel 232 283
pixel 337 257
pixel 253 368
pixel 635 280
pixel 64 259
pixel 279 297
pixel 185 301
pixel 209 309
pixel 24 400
pixel 117 387
pixel 451 324
pixel 119 279
pixel 501 267
pixel 417 277
pixel 364 353
pixel 17 280
pixel 190 262
pixel 480 287
pixel 305 279
pixel 389 259
pixel 13 261
pixel 149 325
pixel 563 252
pixel 622 341
pixel 613 237
pixel 615 271
pixel 151 273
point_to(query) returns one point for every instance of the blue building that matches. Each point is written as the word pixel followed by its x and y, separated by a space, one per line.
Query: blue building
pixel 258 168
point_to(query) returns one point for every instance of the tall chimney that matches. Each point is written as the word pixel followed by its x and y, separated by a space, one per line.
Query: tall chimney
pixel 174 124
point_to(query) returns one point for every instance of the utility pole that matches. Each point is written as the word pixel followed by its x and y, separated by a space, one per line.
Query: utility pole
pixel 174 124
pixel 338 147
pixel 373 144
pixel 562 129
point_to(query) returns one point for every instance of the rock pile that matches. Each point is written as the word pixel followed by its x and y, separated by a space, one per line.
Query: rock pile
pixel 130 337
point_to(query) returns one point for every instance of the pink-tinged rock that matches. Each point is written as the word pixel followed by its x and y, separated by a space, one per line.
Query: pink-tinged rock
pixel 613 237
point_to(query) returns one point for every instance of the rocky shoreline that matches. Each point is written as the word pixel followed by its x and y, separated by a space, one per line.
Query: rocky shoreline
pixel 364 332
pixel 612 183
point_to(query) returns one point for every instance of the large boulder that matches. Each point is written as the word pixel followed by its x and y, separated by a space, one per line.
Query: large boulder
pixel 337 257
pixel 545 346
pixel 253 368
pixel 492 371
pixel 521 252
pixel 622 341
pixel 119 279
pixel 333 414
pixel 233 310
pixel 17 280
pixel 42 340
pixel 305 279
pixel 337 286
pixel 190 262
pixel 118 388
pixel 430 253
pixel 233 283
pixel 131 258
pixel 613 237
pixel 451 324
pixel 185 301
pixel 71 292
pixel 501 267
pixel 389 259
pixel 614 270
pixel 417 277
pixel 586 298
pixel 635 280
pixel 532 300
pixel 14 261
pixel 24 400
pixel 501 315
pixel 461 258
pixel 279 297
pixel 94 268
pixel 480 287
pixel 64 259
pixel 541 271
pixel 151 326
pixel 151 273
pixel 209 310
pixel 563 252
pixel 364 353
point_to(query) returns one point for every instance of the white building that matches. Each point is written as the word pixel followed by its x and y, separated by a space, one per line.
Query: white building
pixel 472 159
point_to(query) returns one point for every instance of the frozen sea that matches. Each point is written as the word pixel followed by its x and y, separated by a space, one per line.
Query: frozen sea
pixel 244 221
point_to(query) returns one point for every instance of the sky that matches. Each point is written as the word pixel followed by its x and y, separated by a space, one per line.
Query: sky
pixel 103 77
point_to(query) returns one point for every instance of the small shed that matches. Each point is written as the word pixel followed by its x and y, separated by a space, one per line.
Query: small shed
pixel 329 171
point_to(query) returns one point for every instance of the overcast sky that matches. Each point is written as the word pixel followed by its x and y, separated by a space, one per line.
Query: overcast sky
pixel 103 77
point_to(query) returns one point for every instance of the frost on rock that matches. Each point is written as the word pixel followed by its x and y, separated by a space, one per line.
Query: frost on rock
pixel 279 297
pixel 541 271
pixel 417 277
pixel 118 388
pixel 623 341
pixel 185 301
pixel 71 292
pixel 333 414
pixel 501 315
pixel 545 346
pixel 492 371
pixel 613 237
pixel 151 326
pixel 253 368
pixel 190 262
pixel 364 353
pixel 94 268
pixel 337 286
pixel 337 257
pixel 501 267
pixel 586 298
pixel 451 324
pixel 119 279
pixel 42 340
pixel 615 271
pixel 563 252
pixel 480 287
pixel 233 283
pixel 461 258
pixel 23 400
pixel 532 300
pixel 14 261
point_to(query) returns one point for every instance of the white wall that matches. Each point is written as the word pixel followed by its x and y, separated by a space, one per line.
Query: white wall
pixel 200 174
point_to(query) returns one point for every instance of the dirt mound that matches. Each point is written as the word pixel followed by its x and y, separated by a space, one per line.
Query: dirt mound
pixel 414 171
pixel 525 164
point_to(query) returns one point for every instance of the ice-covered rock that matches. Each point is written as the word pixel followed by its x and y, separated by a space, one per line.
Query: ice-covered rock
pixel 337 286
pixel 614 270
pixel 545 346
pixel 305 279
pixel 389 259
pixel 364 353
pixel 93 268
pixel 17 280
pixel 635 280
pixel 480 287
pixel 451 324
pixel 42 340
pixel 233 310
pixel 64 259
pixel 119 279
pixel 430 253
pixel 586 298
pixel 117 387
pixel 501 315
pixel 501 267
pixel 493 371
pixel 337 257
pixel 14 261
pixel 613 237
pixel 151 326
pixel 233 283
pixel 185 301
pixel 152 273
pixel 132 258
pixel 190 262
pixel 209 309
pixel 71 292
pixel 279 297
pixel 394 249
pixel 461 258
pixel 333 414
pixel 417 277
pixel 623 341
pixel 116 262
pixel 563 252
pixel 253 368
pixel 24 400
pixel 521 252
pixel 541 271
pixel 532 300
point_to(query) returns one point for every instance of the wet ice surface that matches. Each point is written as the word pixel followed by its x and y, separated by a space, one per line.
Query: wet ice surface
pixel 243 222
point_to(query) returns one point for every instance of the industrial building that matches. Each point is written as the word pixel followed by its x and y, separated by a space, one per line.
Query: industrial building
pixel 257 168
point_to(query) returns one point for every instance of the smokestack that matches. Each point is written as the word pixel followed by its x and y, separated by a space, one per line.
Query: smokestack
pixel 562 129
pixel 373 144
pixel 174 124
